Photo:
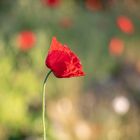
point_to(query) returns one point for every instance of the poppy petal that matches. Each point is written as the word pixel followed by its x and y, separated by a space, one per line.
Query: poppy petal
pixel 62 61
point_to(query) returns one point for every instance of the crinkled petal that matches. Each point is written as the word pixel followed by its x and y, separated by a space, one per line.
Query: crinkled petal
pixel 62 61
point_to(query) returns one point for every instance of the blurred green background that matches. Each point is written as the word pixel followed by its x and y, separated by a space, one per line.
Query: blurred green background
pixel 103 105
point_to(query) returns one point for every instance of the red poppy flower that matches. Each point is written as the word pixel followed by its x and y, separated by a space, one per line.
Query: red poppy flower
pixel 116 47
pixel 125 24
pixel 62 61
pixel 51 3
pixel 94 5
pixel 66 22
pixel 26 40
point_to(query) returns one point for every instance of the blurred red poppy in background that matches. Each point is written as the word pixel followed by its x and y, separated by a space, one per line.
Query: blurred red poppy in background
pixel 125 24
pixel 66 22
pixel 62 61
pixel 94 4
pixel 51 3
pixel 116 47
pixel 26 40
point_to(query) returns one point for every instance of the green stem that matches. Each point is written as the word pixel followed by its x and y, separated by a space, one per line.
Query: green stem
pixel 44 105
